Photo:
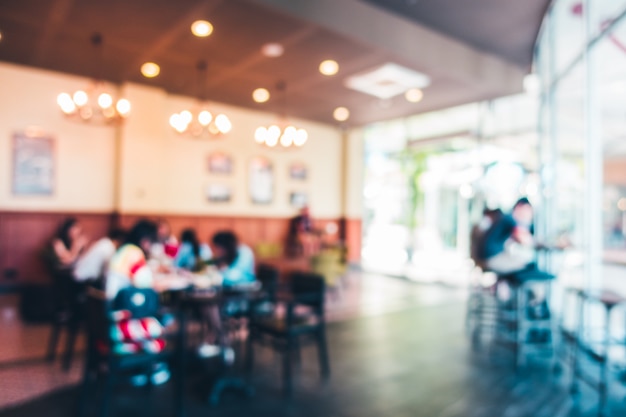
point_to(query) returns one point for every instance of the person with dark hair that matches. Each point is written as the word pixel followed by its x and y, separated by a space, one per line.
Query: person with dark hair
pixel 92 265
pixel 67 244
pixel 128 266
pixel 508 245
pixel 302 238
pixel 490 216
pixel 235 260
pixel 165 245
pixel 192 255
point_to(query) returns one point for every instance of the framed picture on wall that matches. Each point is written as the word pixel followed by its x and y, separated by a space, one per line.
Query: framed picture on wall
pixel 298 199
pixel 33 164
pixel 298 171
pixel 219 193
pixel 220 163
pixel 261 180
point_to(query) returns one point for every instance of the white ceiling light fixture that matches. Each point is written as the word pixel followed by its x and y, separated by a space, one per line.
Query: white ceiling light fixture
pixel 96 103
pixel 281 134
pixel 341 114
pixel 329 67
pixel 272 50
pixel 200 121
pixel 387 81
pixel 201 28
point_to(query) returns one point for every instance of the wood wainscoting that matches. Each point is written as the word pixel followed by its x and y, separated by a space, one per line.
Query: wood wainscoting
pixel 23 235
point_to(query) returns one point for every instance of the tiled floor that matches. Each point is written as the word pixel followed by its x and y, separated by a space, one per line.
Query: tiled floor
pixel 24 374
pixel 400 350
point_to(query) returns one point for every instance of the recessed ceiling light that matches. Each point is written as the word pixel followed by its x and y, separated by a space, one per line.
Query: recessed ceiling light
pixel 341 114
pixel 0 36
pixel 329 67
pixel 414 95
pixel 150 70
pixel 201 28
pixel 260 95
pixel 272 50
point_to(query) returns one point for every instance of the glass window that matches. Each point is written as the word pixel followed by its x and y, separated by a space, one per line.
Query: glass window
pixel 604 12
pixel 610 53
pixel 568 206
pixel 569 31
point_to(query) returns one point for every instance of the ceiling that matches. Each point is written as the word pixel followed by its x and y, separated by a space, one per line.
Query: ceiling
pixel 55 35
pixel 506 28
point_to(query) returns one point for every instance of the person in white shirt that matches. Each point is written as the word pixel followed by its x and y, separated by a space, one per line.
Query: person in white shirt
pixel 93 263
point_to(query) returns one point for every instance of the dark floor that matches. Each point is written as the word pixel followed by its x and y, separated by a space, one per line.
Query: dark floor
pixel 415 362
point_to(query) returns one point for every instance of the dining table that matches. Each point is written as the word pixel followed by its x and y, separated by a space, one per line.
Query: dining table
pixel 202 295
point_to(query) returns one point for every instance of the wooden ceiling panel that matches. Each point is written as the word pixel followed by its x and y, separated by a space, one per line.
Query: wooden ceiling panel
pixel 26 10
pixel 231 41
pixel 17 32
pixel 55 34
pixel 136 21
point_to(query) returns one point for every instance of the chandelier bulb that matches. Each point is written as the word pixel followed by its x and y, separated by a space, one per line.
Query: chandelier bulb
pixel 93 105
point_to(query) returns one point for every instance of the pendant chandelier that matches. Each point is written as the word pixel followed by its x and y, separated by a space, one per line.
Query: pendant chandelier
pixel 282 134
pixel 96 103
pixel 200 120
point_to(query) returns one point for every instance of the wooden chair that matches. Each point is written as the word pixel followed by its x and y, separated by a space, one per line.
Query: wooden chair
pixel 286 334
pixel 268 276
pixel 101 357
pixel 69 311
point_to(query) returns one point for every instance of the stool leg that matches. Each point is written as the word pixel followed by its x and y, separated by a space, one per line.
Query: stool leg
pixel 249 361
pixel 322 350
pixel 72 332
pixel 287 374
pixel 106 395
pixel 603 389
pixel 520 325
pixel 54 340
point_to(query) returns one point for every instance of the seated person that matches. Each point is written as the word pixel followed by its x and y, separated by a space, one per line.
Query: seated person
pixel 93 263
pixel 490 216
pixel 165 245
pixel 301 237
pixel 508 245
pixel 235 260
pixel 192 255
pixel 128 266
pixel 236 264
pixel 67 245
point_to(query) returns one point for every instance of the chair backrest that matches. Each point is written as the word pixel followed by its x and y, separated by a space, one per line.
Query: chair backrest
pixel 141 302
pixel 309 289
pixel 98 320
pixel 268 277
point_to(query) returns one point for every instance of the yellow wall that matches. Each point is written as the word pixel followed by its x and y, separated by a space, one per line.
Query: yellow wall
pixel 84 154
pixel 164 172
pixel 159 171
pixel 355 159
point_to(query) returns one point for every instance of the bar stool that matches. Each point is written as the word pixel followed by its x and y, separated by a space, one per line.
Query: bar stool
pixel 524 326
pixel 595 346
pixel 480 315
